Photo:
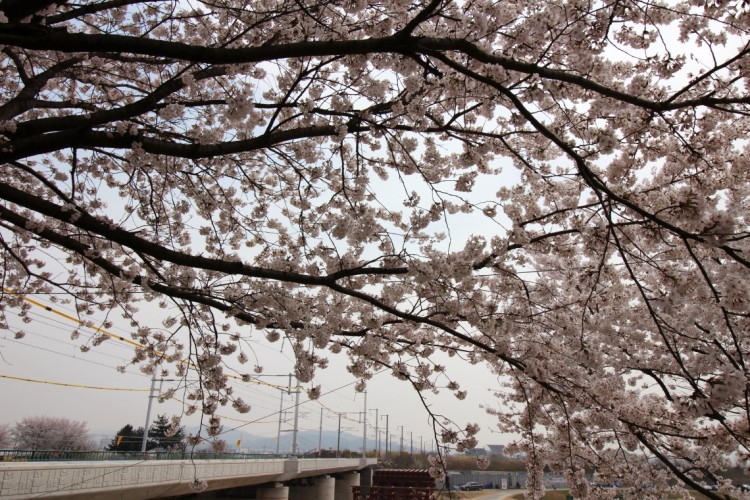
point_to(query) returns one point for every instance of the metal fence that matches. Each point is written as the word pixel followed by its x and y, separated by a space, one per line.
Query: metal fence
pixel 79 456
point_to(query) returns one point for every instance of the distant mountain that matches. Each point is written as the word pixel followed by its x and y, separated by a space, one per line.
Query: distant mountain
pixel 306 441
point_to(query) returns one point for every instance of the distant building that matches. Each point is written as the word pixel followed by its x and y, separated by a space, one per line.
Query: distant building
pixel 496 450
pixel 476 452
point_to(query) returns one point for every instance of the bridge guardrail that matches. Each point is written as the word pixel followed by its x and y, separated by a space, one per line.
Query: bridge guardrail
pixel 81 456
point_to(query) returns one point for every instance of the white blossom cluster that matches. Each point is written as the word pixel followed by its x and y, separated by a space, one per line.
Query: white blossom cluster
pixel 558 191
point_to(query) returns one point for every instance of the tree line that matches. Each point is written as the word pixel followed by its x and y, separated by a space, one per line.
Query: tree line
pixel 58 434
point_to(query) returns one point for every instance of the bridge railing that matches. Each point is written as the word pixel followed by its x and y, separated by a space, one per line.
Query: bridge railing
pixel 79 456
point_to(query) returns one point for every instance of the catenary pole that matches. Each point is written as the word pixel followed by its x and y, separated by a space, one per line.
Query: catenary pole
pixel 148 411
pixel 320 431
pixel 386 434
pixel 296 420
pixel 281 412
pixel 338 439
pixel 364 428
pixel 377 434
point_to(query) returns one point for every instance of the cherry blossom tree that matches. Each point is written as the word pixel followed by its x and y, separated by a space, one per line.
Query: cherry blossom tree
pixel 557 190
pixel 51 433
pixel 6 438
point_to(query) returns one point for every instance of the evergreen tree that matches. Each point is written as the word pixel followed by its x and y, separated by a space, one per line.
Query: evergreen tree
pixel 129 439
pixel 161 438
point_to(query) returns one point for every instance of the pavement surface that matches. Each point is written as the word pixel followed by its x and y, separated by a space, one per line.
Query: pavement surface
pixel 489 494
pixel 493 495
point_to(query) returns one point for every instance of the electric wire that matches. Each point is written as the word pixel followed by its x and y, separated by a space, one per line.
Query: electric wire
pixel 25 344
pixel 130 342
pixel 67 343
pixel 253 380
pixel 115 336
pixel 79 386
pixel 274 412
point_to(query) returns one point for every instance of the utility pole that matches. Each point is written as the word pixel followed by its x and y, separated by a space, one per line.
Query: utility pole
pixel 288 390
pixel 377 434
pixel 148 411
pixel 338 439
pixel 411 443
pixel 386 434
pixel 281 412
pixel 296 416
pixel 364 428
pixel 320 432
pixel 402 440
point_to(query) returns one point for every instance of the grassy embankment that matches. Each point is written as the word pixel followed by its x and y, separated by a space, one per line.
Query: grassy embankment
pixel 560 495
pixel 550 495
pixel 470 463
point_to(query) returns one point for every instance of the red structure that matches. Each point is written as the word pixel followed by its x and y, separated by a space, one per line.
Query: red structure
pixel 397 484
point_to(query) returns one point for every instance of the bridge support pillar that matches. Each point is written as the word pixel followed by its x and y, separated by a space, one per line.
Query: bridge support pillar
pixel 278 492
pixel 344 483
pixel 320 488
pixel 365 476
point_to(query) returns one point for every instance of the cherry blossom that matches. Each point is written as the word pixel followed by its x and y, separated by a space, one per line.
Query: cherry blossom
pixel 555 190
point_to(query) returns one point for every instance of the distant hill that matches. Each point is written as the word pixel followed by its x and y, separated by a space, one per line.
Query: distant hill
pixel 306 441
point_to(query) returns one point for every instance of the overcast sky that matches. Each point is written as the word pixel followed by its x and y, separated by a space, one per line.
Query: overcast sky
pixel 47 356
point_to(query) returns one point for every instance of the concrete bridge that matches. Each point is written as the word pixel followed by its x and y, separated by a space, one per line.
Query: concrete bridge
pixel 277 478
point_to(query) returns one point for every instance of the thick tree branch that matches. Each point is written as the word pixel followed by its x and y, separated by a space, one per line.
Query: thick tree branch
pixel 40 38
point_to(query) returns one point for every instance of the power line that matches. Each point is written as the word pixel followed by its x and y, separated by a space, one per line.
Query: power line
pixel 119 337
pixel 253 389
pixel 252 380
pixel 66 355
pixel 79 386
pixel 65 342
pixel 71 318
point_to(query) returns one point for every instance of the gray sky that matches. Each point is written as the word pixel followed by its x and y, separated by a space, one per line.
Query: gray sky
pixel 47 356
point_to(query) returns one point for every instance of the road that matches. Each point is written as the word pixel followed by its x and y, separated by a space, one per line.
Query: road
pixel 483 495
pixel 496 494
